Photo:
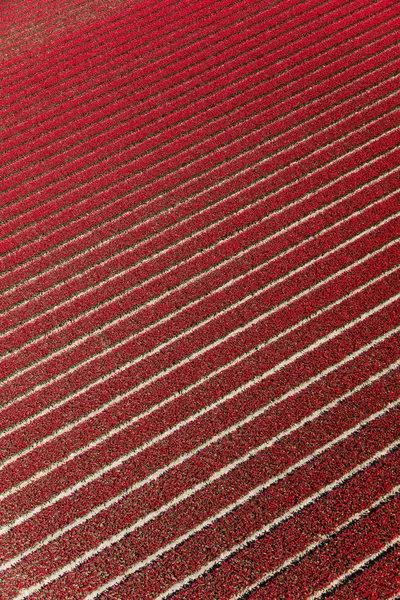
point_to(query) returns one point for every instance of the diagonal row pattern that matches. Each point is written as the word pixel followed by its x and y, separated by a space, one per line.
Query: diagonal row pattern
pixel 199 308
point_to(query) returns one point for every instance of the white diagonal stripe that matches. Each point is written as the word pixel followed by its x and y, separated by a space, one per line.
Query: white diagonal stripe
pixel 197 326
pixel 224 240
pixel 56 464
pixel 72 489
pixel 293 559
pixel 210 521
pixel 223 181
pixel 186 456
pixel 194 355
pixel 373 86
pixel 156 407
pixel 232 281
pixel 360 565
